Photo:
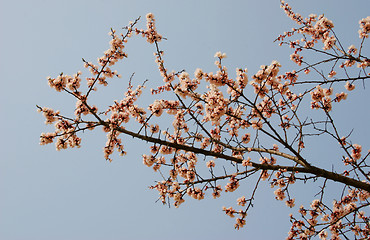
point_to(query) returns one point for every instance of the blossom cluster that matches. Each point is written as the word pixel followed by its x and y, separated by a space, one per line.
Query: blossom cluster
pixel 364 27
pixel 151 33
pixel 319 28
pixel 65 81
pixel 240 222
pixel 320 220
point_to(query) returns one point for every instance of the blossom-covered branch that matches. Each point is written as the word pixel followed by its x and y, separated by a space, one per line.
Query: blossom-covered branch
pixel 230 122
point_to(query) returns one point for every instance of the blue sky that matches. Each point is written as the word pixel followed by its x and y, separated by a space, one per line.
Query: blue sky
pixel 76 194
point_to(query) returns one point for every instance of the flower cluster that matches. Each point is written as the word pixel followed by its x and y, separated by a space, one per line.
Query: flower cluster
pixel 232 185
pixel 64 81
pixel 321 99
pixel 151 33
pixel 364 27
pixel 216 105
pixel 67 135
pixel 49 114
pixel 187 86
pixel 318 219
pixel 318 31
pixel 356 152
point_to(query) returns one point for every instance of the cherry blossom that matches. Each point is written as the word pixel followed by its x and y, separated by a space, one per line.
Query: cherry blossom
pixel 211 131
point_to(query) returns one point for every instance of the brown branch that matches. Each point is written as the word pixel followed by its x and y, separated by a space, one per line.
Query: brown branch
pixel 310 169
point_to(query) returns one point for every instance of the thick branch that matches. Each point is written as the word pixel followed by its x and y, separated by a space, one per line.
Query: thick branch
pixel 311 169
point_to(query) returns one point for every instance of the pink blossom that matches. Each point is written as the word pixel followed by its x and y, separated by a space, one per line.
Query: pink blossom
pixel 340 96
pixel 332 74
pixel 199 73
pixel 279 194
pixel 329 42
pixel 241 201
pixel 47 138
pixel 220 55
pixel 290 203
pixel 324 23
pixel 229 211
pixel 240 223
pixel 246 138
pixel 217 191
pixel 246 162
pixel 156 108
pixel 232 185
pixel 349 86
pixel 296 58
pixel 352 49
pixel 356 151
pixel 211 164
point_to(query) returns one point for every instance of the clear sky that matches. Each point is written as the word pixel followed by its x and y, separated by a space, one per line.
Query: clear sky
pixel 76 194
